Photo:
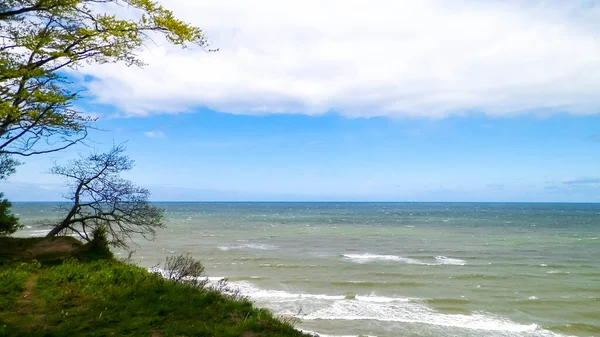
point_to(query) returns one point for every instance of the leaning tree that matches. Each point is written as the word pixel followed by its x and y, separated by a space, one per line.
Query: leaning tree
pixel 101 199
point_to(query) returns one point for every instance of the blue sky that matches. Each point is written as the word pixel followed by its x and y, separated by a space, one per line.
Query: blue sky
pixel 458 101
pixel 215 156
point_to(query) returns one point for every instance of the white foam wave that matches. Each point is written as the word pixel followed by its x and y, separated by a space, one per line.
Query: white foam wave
pixel 414 313
pixel 255 292
pixel 375 308
pixel 378 308
pixel 449 260
pixel 312 333
pixel 37 232
pixel 368 257
pixel 255 246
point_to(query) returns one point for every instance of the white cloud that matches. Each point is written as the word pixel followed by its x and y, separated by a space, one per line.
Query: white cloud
pixel 154 134
pixel 370 58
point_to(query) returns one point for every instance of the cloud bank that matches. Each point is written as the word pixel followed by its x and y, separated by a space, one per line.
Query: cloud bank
pixel 361 59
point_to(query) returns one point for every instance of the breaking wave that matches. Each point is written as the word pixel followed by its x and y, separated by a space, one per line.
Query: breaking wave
pixel 368 257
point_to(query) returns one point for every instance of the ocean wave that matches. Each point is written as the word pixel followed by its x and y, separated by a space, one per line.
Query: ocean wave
pixel 479 277
pixel 381 308
pixel 247 278
pixel 415 313
pixel 251 258
pixel 579 328
pixel 257 293
pixel 376 308
pixel 37 232
pixel 446 301
pixel 316 334
pixel 44 232
pixel 371 284
pixel 368 257
pixel 589 274
pixel 289 266
pixel 254 246
pixel 449 260
pixel 283 265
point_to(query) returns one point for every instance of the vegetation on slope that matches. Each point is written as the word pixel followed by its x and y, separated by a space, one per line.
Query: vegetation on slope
pixel 93 295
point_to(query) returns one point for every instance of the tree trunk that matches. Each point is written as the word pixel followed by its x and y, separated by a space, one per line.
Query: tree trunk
pixel 57 229
pixel 67 220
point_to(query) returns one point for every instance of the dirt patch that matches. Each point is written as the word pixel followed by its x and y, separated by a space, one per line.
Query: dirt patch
pixel 27 296
pixel 28 306
pixel 55 246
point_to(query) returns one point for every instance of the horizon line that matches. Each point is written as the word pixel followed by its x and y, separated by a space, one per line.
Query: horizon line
pixel 339 202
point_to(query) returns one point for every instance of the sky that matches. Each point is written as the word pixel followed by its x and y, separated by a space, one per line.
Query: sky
pixel 354 101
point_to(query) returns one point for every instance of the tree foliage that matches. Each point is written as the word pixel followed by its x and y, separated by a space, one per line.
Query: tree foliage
pixel 101 199
pixel 8 222
pixel 42 39
pixel 7 166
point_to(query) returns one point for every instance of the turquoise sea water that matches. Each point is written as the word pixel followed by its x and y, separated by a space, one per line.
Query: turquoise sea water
pixel 395 269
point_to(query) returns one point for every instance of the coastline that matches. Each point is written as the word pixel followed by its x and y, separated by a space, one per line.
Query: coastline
pixel 394 269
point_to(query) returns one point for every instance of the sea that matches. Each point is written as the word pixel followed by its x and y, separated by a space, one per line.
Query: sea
pixel 392 269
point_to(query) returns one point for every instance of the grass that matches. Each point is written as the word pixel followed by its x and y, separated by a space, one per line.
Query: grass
pixel 89 294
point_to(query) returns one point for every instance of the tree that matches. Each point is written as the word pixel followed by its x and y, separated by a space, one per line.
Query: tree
pixel 40 39
pixel 8 222
pixel 102 199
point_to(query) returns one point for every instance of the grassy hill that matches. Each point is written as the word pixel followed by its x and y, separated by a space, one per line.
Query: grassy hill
pixel 63 288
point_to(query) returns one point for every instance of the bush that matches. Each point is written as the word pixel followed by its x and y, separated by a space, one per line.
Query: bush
pixel 184 269
pixel 97 248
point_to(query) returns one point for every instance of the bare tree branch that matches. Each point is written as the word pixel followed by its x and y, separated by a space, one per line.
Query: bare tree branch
pixel 101 199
